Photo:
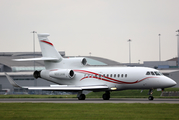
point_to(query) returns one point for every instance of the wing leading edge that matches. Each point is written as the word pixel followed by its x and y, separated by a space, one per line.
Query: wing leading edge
pixel 60 87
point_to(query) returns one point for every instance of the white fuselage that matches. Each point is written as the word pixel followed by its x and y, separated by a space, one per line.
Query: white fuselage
pixel 115 77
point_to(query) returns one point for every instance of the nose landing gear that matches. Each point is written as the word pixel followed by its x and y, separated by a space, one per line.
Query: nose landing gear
pixel 150 93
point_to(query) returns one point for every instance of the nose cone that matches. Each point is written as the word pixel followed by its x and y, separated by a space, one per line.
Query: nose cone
pixel 167 82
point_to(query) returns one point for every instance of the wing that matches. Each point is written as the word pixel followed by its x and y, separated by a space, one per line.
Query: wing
pixel 70 88
pixel 37 59
pixel 12 81
pixel 60 87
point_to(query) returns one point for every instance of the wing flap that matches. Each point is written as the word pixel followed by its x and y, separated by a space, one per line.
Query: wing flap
pixel 37 59
pixel 70 88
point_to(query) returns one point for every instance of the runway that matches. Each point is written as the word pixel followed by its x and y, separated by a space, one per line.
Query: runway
pixel 88 100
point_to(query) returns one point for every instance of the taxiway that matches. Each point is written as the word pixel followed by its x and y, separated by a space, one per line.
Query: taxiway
pixel 88 100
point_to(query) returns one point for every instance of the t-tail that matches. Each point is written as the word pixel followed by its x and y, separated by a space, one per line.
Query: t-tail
pixel 47 48
pixel 48 51
pixel 55 68
pixel 50 55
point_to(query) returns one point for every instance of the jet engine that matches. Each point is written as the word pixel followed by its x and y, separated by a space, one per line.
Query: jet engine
pixel 74 62
pixel 62 74
pixel 37 74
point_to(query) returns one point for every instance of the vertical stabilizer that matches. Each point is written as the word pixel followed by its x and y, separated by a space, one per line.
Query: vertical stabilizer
pixel 47 48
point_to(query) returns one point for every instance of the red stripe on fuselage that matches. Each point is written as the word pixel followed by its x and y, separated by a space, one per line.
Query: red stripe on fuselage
pixel 47 42
pixel 108 79
pixel 54 70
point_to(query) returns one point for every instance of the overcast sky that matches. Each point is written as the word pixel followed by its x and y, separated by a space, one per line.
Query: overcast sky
pixel 101 27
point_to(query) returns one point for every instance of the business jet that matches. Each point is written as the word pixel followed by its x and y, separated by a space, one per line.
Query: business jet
pixel 72 74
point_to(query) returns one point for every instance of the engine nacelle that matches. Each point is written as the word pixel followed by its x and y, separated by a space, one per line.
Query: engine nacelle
pixel 74 62
pixel 62 74
pixel 37 74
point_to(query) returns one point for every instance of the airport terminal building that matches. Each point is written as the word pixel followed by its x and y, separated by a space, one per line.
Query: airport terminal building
pixel 22 72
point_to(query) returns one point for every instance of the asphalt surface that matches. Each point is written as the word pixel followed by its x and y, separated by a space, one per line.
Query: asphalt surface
pixel 88 100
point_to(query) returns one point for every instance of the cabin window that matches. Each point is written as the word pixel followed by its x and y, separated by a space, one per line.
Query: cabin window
pixel 103 75
pixel 125 75
pixel 107 75
pixel 118 75
pixel 99 76
pixel 96 76
pixel 111 75
pixel 114 75
pixel 122 75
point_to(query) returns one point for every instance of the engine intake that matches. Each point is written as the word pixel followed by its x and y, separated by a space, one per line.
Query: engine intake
pixel 62 74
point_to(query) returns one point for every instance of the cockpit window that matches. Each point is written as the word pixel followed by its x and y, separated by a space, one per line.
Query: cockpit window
pixel 152 73
pixel 160 73
pixel 157 73
pixel 148 73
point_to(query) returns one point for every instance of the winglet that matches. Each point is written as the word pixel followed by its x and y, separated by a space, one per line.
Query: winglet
pixel 12 81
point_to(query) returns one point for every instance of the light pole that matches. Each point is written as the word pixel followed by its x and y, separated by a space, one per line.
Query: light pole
pixel 178 45
pixel 35 81
pixel 159 48
pixel 129 51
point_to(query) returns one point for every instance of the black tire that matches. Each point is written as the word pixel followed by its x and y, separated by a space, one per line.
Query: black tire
pixel 82 97
pixel 150 97
pixel 106 96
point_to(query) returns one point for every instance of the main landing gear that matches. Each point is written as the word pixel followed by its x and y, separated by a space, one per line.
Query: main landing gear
pixel 106 95
pixel 150 93
pixel 81 96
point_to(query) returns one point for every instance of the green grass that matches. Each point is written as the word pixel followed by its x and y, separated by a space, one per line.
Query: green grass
pixel 172 89
pixel 90 111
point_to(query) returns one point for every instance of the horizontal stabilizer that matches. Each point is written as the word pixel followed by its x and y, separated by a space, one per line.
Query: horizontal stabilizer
pixel 38 59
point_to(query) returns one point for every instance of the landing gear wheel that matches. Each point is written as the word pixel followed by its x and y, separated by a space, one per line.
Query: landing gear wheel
pixel 82 97
pixel 106 96
pixel 150 93
pixel 150 97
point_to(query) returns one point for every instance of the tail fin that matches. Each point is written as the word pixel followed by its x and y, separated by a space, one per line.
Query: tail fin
pixel 50 55
pixel 47 48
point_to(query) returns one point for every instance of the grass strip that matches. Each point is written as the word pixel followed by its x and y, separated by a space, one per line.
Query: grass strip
pixel 89 111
